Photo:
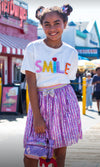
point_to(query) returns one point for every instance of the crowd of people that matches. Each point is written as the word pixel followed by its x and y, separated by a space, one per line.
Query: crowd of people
pixel 92 87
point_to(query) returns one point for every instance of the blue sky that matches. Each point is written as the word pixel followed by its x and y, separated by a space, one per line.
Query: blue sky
pixel 83 10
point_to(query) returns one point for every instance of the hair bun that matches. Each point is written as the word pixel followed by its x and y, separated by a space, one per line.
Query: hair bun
pixel 38 12
pixel 67 9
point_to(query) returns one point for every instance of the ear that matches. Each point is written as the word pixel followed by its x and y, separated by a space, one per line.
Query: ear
pixel 65 24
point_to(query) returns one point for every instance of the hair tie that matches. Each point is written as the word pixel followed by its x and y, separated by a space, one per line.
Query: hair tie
pixel 40 11
pixel 64 9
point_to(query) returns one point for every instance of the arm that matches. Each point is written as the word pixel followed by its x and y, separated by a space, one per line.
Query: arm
pixel 95 81
pixel 39 123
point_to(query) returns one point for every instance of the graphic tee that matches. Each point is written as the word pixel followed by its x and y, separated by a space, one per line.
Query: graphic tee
pixel 52 66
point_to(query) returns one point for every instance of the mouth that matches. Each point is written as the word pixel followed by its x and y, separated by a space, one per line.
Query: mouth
pixel 53 34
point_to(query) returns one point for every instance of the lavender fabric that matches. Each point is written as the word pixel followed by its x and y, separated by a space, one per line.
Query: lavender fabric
pixel 61 112
pixel 39 147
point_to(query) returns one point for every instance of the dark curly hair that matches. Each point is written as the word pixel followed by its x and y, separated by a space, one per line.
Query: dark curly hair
pixel 63 12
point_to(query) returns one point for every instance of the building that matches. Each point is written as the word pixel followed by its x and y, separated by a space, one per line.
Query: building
pixel 84 36
pixel 16 31
pixel 88 39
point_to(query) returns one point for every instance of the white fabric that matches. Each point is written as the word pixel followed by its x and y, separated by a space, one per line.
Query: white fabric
pixel 39 59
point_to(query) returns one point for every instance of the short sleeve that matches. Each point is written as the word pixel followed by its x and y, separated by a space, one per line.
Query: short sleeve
pixel 94 79
pixel 74 65
pixel 28 62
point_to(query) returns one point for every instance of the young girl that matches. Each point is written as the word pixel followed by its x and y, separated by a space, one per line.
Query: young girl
pixel 49 65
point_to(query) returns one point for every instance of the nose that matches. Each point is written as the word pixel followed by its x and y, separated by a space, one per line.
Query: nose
pixel 52 27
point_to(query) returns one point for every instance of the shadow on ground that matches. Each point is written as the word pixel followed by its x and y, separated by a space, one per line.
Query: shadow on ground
pixel 11 116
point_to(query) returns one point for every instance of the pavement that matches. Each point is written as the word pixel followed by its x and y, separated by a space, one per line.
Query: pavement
pixel 87 152
pixel 84 154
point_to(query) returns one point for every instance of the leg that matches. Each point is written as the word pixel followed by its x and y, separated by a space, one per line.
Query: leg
pixel 29 162
pixel 98 105
pixel 60 154
pixel 91 101
pixel 87 99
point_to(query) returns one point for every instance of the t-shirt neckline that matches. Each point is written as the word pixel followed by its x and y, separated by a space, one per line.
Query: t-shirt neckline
pixel 50 48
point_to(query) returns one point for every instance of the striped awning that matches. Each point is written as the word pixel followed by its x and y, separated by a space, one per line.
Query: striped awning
pixel 12 45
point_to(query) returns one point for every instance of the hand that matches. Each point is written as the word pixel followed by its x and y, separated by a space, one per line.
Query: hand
pixel 39 124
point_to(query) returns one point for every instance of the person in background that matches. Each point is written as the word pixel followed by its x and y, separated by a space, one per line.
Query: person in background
pixel 93 72
pixel 77 85
pixel 49 65
pixel 96 83
pixel 23 93
pixel 89 90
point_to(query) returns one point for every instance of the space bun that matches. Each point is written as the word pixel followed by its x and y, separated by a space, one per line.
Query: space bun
pixel 39 12
pixel 67 9
pixel 63 12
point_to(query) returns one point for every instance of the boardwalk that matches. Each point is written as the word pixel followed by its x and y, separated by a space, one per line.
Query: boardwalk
pixel 87 152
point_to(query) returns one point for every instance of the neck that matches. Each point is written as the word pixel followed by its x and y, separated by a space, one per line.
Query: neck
pixel 53 44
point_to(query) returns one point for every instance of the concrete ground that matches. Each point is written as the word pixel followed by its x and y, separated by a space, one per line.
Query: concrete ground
pixel 84 154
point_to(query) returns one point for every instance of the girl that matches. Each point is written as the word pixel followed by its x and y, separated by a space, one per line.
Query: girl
pixel 49 65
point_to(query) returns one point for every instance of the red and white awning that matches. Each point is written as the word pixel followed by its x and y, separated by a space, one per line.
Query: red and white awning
pixel 12 45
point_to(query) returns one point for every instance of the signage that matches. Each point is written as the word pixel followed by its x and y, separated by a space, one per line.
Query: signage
pixel 88 51
pixel 12 9
pixel 10 97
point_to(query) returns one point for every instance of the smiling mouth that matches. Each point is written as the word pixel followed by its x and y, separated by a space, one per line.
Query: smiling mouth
pixel 53 34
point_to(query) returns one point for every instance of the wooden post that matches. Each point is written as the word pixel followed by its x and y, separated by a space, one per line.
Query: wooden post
pixel 27 98
pixel 84 96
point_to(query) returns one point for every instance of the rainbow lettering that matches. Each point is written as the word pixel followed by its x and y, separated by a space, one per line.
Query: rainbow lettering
pixel 53 66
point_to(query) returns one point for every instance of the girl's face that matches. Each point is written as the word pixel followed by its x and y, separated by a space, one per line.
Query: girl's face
pixel 53 26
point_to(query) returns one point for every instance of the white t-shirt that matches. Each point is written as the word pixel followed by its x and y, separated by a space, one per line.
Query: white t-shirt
pixel 52 66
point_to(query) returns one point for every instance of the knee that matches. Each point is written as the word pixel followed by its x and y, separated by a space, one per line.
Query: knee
pixel 25 160
pixel 29 162
pixel 60 153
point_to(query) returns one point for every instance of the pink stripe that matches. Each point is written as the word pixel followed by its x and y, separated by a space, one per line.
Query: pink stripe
pixel 31 156
pixel 52 87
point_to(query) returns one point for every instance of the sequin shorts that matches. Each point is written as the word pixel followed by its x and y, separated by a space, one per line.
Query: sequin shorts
pixel 60 110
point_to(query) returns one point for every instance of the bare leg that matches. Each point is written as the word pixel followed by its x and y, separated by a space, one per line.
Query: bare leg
pixel 60 154
pixel 28 162
pixel 98 105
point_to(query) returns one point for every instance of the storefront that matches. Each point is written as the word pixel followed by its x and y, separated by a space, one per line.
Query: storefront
pixel 16 31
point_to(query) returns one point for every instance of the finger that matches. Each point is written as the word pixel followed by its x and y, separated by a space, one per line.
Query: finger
pixel 41 130
pixel 37 130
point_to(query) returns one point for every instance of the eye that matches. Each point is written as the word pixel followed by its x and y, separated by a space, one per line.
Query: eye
pixel 47 25
pixel 57 23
